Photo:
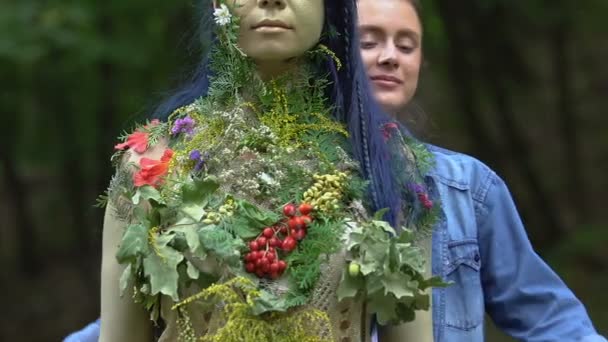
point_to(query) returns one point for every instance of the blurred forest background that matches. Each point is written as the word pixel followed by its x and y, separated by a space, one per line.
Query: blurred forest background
pixel 522 85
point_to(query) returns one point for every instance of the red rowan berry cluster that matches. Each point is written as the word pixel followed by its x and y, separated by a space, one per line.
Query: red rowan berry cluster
pixel 264 257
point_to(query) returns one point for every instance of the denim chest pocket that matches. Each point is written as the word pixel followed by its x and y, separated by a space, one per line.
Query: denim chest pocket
pixel 464 304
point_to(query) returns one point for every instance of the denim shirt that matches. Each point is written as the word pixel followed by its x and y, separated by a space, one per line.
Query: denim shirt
pixel 480 244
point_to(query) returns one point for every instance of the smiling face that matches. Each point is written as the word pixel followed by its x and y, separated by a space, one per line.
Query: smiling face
pixel 391 37
pixel 278 30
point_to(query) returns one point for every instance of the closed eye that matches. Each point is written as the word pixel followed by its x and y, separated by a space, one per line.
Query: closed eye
pixel 406 48
pixel 368 45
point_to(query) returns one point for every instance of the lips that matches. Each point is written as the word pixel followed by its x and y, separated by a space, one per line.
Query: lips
pixel 386 79
pixel 269 23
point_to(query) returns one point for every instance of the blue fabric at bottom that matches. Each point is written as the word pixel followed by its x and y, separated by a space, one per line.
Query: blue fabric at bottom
pixel 90 333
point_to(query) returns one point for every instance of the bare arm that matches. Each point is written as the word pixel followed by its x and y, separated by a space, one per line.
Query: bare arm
pixel 121 318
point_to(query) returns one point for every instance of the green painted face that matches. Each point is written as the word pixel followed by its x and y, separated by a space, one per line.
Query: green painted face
pixel 278 30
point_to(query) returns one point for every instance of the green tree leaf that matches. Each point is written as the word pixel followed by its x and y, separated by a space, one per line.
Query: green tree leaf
pixel 349 286
pixel 125 279
pixel 256 217
pixel 268 302
pixel 134 244
pixel 198 191
pixel 398 284
pixel 147 193
pixel 241 226
pixel 384 307
pixel 161 269
pixel 193 212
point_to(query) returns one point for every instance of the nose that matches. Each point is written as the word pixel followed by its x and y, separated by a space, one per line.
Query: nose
pixel 388 56
pixel 268 4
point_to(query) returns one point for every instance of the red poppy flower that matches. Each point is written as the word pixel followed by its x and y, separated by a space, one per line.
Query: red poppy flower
pixel 138 140
pixel 152 172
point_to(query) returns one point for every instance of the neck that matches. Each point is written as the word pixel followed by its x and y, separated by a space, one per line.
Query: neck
pixel 272 69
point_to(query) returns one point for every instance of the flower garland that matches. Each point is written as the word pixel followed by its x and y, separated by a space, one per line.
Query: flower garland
pixel 249 199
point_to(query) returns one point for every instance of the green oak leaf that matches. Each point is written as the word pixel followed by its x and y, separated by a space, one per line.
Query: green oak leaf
pixel 393 257
pixel 384 306
pixel 422 301
pixel 373 283
pixel 193 212
pixel 161 268
pixel 242 228
pixel 398 284
pixel 134 243
pixel 125 279
pixel 198 191
pixel 190 233
pixel 411 256
pixel 385 226
pixel 147 193
pixel 268 302
pixel 256 217
pixel 405 312
pixel 349 286
pixel 406 236
pixel 368 265
pixel 354 240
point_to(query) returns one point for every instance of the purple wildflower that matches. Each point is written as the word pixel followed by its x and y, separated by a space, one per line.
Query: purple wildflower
pixel 196 156
pixel 184 125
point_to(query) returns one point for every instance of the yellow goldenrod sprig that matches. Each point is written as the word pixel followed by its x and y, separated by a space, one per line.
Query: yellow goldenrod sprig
pixel 324 49
pixel 152 233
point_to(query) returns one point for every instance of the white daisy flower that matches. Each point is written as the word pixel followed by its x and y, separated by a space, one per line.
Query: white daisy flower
pixel 266 178
pixel 222 15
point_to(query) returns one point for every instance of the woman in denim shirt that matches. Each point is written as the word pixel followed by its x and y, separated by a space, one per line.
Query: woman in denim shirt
pixel 480 243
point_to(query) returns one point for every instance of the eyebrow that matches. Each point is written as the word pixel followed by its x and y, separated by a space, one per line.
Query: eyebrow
pixel 378 30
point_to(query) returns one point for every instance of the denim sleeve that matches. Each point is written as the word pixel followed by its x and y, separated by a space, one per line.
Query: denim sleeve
pixel 523 296
pixel 90 333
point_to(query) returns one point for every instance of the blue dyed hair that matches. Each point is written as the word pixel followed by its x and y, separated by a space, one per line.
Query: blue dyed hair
pixel 349 95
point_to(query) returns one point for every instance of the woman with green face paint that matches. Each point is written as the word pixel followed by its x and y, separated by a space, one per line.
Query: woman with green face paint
pixel 247 211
